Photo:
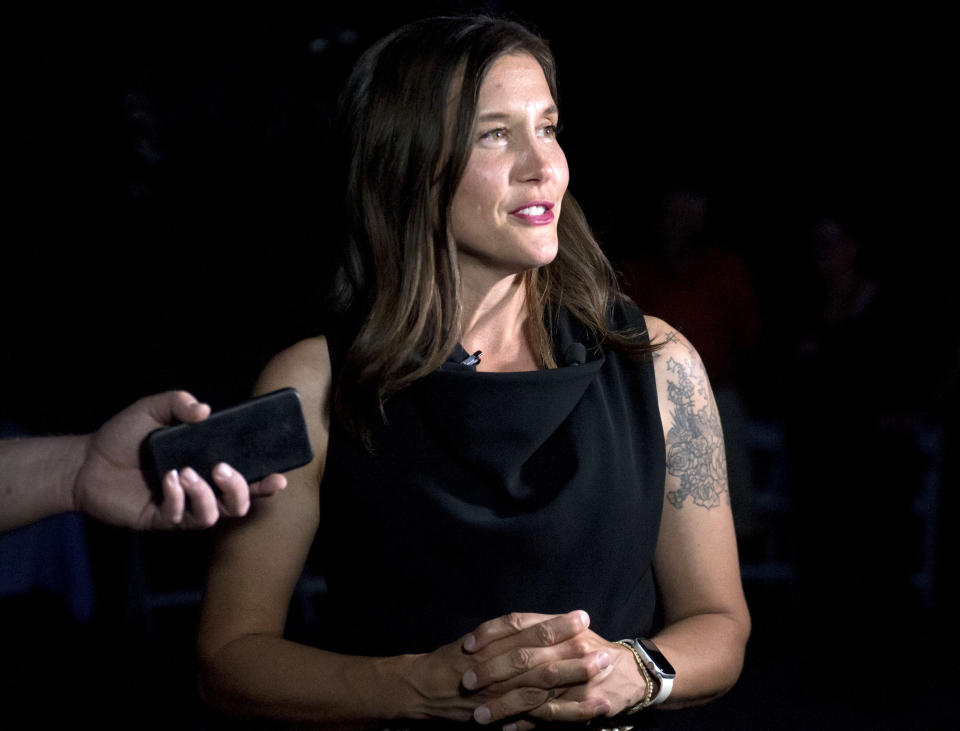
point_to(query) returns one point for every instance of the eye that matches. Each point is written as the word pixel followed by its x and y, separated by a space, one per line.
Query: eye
pixel 500 133
pixel 551 130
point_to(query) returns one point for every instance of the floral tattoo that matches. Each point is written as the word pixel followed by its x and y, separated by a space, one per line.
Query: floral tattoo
pixel 695 450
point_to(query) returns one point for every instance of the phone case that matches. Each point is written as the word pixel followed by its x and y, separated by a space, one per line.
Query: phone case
pixel 261 436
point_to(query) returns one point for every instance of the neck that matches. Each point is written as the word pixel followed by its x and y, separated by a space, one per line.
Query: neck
pixel 494 322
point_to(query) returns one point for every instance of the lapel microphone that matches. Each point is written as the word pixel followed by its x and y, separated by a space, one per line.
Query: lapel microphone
pixel 472 360
pixel 575 354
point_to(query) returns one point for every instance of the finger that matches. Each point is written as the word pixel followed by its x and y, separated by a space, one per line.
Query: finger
pixel 174 499
pixel 203 503
pixel 567 672
pixel 521 725
pixel 234 491
pixel 166 408
pixel 539 667
pixel 568 711
pixel 499 628
pixel 268 486
pixel 186 408
pixel 532 630
pixel 548 633
pixel 520 700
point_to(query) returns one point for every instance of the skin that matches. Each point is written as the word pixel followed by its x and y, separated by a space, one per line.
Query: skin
pixel 515 159
pixel 516 670
pixel 99 474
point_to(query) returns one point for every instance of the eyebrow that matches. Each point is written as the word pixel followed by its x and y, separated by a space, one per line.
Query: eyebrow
pixel 502 116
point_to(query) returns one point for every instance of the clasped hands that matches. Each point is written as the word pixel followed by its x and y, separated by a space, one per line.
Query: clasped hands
pixel 524 668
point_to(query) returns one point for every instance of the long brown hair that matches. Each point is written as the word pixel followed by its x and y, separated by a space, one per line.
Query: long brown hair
pixel 406 141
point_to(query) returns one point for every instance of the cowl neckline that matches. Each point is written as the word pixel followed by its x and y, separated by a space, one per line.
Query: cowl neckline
pixel 494 422
pixel 450 522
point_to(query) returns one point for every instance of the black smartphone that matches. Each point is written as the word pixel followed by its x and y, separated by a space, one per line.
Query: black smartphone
pixel 261 436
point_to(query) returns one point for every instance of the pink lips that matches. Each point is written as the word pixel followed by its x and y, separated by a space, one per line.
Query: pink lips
pixel 529 212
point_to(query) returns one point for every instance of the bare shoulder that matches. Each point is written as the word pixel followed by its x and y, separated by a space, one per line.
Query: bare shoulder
pixel 305 366
pixel 675 359
pixel 672 344
pixel 693 435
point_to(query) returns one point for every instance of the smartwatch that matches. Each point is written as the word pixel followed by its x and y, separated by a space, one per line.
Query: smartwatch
pixel 657 665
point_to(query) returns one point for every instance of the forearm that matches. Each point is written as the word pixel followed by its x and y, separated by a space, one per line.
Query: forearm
pixel 268 677
pixel 706 650
pixel 37 477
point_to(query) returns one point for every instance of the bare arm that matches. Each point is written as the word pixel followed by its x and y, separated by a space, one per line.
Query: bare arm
pixel 99 474
pixel 696 565
pixel 37 477
pixel 247 667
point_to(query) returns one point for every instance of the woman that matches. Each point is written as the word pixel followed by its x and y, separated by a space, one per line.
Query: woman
pixel 494 435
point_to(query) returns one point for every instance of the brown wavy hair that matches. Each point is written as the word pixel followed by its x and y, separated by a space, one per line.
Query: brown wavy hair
pixel 405 139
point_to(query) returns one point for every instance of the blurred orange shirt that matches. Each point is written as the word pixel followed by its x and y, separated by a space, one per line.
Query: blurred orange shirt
pixel 706 295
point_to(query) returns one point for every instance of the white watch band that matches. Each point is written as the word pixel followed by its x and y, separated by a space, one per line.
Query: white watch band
pixel 664 675
pixel 666 685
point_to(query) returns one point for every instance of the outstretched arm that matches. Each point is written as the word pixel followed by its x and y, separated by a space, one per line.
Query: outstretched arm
pixel 99 474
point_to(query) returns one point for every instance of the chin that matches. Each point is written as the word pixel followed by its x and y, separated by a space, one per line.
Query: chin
pixel 545 260
pixel 546 255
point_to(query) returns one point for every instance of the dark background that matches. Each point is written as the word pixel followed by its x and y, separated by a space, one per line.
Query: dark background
pixel 166 229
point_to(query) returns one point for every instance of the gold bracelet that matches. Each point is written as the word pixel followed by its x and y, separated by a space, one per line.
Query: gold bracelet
pixel 648 694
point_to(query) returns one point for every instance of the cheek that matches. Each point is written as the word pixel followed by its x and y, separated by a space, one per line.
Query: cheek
pixel 479 190
pixel 470 207
pixel 562 171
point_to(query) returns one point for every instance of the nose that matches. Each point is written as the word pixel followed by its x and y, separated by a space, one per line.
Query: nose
pixel 537 160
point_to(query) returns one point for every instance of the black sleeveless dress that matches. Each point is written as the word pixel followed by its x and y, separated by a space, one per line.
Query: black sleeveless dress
pixel 496 492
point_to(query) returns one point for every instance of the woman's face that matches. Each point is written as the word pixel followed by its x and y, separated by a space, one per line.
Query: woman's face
pixel 505 211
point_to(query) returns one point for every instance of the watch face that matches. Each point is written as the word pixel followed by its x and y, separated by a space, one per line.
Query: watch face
pixel 658 659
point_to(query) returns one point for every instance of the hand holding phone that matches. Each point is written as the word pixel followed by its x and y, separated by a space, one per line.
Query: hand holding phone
pixel 257 438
